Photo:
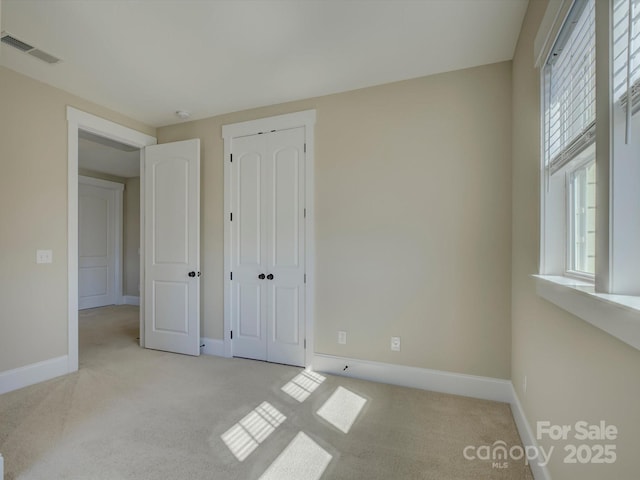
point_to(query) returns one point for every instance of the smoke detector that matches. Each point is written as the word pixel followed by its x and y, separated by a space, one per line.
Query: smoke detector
pixel 24 47
pixel 182 115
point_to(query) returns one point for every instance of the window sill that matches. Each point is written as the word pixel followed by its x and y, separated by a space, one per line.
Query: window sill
pixel 618 315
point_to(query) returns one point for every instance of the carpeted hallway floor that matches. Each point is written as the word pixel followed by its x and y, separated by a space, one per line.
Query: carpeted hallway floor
pixel 130 413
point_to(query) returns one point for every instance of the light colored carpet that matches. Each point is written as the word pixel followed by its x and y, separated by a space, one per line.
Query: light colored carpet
pixel 130 413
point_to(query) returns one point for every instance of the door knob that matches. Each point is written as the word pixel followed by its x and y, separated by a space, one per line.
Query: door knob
pixel 261 276
pixel 270 277
pixel 192 274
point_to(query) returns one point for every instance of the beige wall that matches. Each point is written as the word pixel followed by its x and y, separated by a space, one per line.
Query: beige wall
pixel 131 241
pixel 33 215
pixel 413 212
pixel 574 371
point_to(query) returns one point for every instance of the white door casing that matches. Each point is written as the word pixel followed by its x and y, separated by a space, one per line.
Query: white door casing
pixel 268 187
pixel 172 246
pixel 99 242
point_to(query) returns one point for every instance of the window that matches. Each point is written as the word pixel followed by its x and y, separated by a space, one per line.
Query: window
pixel 569 127
pixel 621 272
pixel 590 192
pixel 582 217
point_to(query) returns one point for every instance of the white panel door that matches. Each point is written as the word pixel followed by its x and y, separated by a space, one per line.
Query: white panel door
pixel 267 294
pixel 285 241
pixel 96 246
pixel 249 248
pixel 172 247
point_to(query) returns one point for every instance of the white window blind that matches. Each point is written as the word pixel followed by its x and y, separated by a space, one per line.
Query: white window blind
pixel 570 88
pixel 626 52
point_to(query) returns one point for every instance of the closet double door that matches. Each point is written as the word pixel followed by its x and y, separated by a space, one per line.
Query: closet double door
pixel 268 249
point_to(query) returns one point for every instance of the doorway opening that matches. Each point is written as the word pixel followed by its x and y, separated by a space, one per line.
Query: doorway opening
pixel 103 275
pixel 108 222
pixel 108 233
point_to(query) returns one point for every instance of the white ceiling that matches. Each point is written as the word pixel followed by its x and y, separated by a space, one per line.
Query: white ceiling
pixel 149 58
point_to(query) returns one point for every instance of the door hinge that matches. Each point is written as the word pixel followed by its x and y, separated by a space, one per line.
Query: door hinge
pixel 231 217
pixel 231 334
pixel 305 343
pixel 231 276
pixel 305 213
pixel 305 148
pixel 305 278
pixel 231 157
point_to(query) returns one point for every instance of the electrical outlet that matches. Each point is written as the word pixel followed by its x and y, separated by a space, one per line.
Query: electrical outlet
pixel 524 384
pixel 342 337
pixel 395 344
pixel 44 256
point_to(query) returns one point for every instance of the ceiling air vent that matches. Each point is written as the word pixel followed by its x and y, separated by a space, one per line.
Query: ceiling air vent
pixel 15 43
pixel 24 47
pixel 44 56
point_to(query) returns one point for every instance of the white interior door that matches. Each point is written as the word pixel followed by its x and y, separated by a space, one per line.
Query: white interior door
pixel 268 294
pixel 97 238
pixel 172 247
pixel 249 249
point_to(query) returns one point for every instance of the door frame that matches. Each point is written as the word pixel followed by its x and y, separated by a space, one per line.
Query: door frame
pixel 306 119
pixel 79 120
pixel 116 235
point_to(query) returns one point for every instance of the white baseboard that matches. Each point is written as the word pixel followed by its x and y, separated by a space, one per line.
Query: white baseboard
pixel 130 300
pixel 540 472
pixel 212 346
pixel 487 388
pixel 34 373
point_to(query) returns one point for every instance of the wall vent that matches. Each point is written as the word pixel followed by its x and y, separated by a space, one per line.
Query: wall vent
pixel 24 47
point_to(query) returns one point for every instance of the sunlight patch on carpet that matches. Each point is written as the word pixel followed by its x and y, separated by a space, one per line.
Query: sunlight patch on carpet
pixel 342 408
pixel 303 385
pixel 245 436
pixel 303 459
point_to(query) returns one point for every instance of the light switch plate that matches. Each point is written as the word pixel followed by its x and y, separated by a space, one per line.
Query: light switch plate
pixel 342 337
pixel 395 344
pixel 44 256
